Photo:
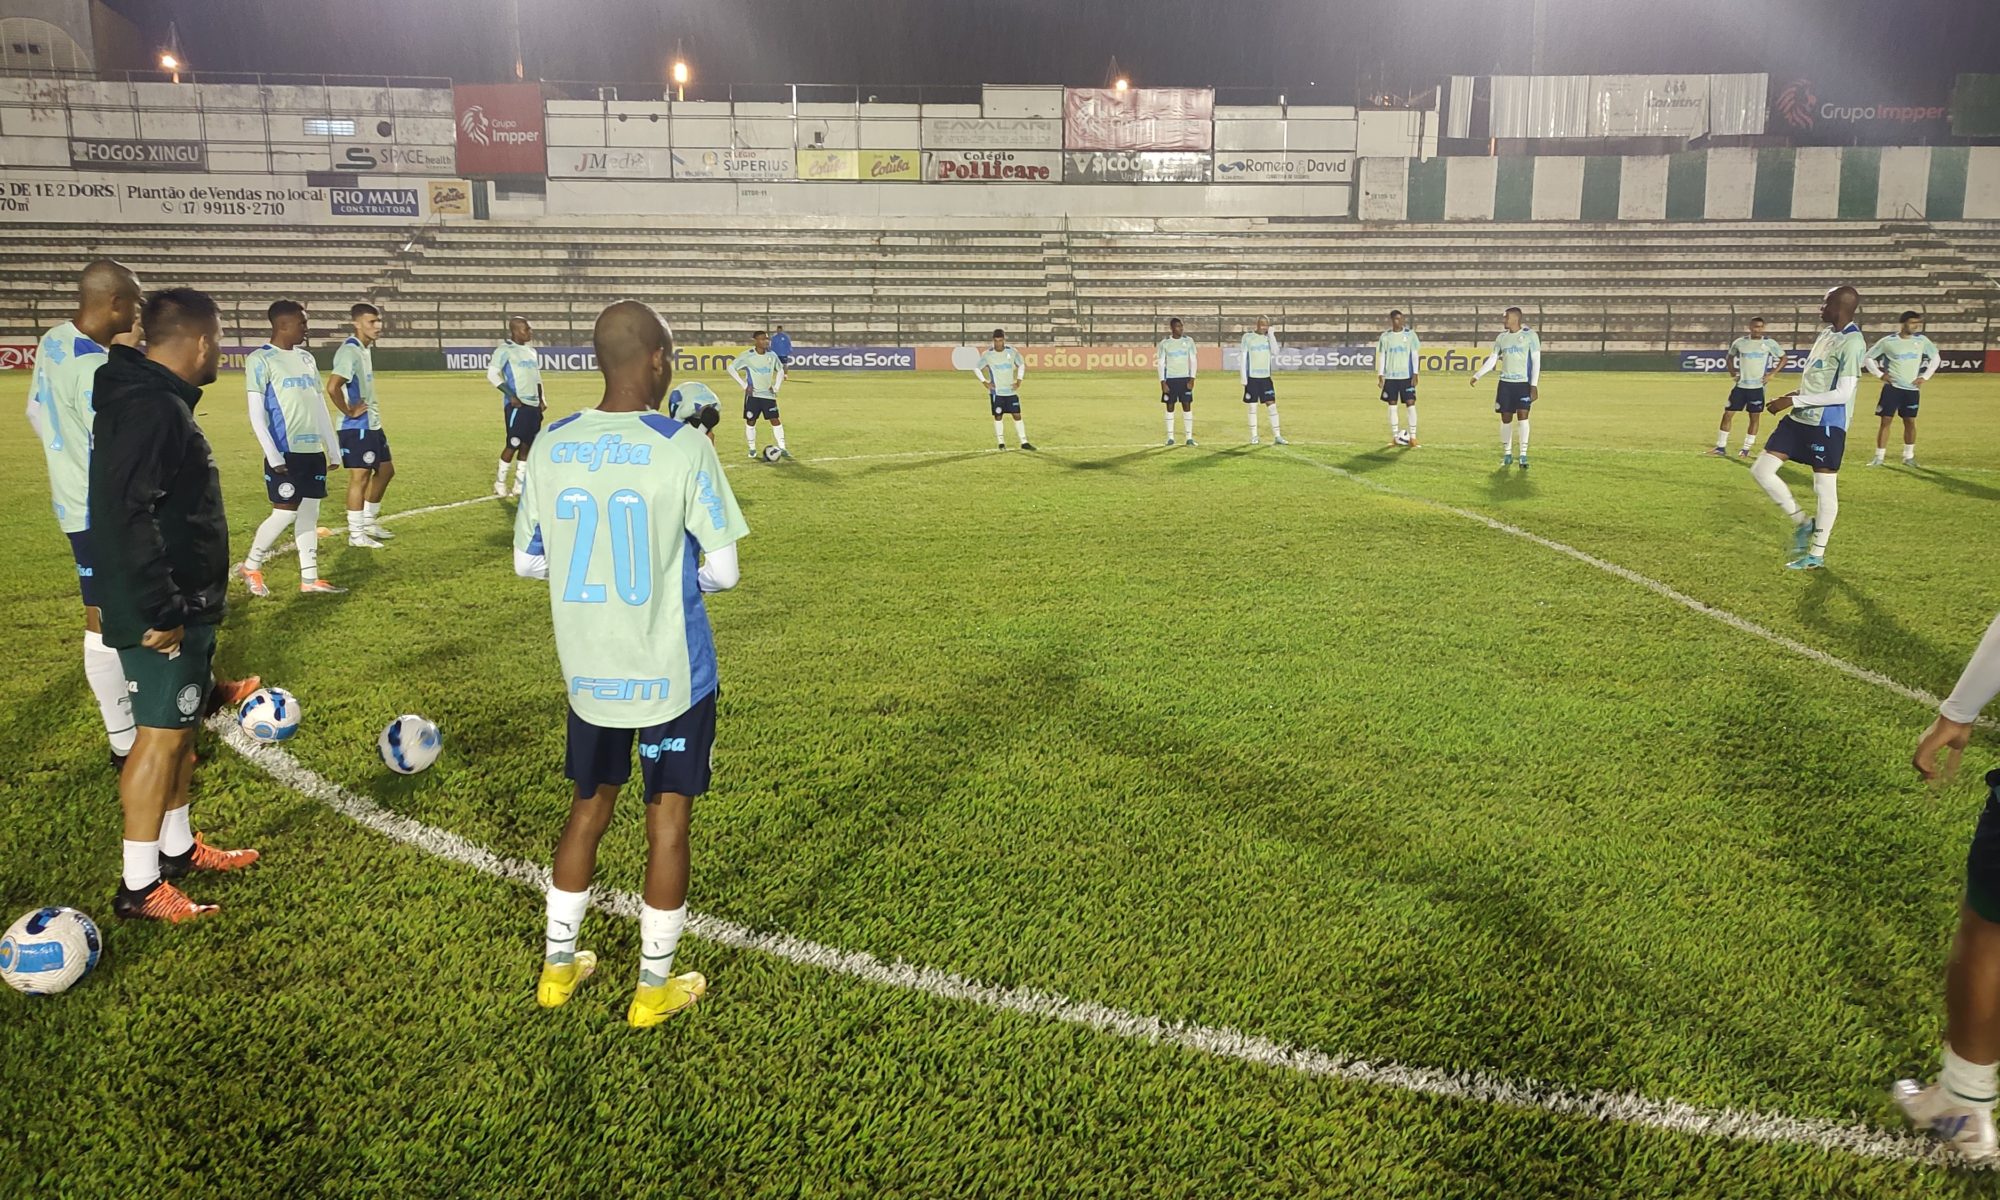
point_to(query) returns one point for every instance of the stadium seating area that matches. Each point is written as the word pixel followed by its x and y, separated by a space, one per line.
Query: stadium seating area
pixel 1626 286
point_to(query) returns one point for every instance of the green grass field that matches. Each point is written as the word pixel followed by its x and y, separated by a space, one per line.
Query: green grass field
pixel 1261 739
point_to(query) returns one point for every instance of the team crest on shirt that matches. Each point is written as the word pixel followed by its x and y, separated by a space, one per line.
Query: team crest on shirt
pixel 188 700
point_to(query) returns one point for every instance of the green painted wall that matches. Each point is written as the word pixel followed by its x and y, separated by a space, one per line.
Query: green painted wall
pixel 1600 188
pixel 1945 200
pixel 1772 200
pixel 1514 190
pixel 1687 186
pixel 1426 197
pixel 1860 181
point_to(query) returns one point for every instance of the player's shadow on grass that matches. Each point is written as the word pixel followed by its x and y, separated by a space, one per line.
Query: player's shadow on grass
pixel 1509 483
pixel 1207 460
pixel 1873 634
pixel 1957 484
pixel 802 472
pixel 904 465
pixel 1114 463
pixel 1368 460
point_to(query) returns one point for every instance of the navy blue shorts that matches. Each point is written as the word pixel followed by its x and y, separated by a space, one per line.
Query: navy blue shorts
pixel 86 567
pixel 758 406
pixel 1897 401
pixel 363 449
pixel 1817 446
pixel 1179 391
pixel 1746 399
pixel 1403 390
pixel 1982 861
pixel 1260 391
pixel 1003 405
pixel 1513 396
pixel 304 479
pixel 673 756
pixel 524 421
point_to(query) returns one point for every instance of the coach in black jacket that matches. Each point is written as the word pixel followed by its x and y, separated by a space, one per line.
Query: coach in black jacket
pixel 163 569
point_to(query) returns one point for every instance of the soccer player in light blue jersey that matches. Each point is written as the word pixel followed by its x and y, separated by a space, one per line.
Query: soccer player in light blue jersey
pixel 621 507
pixel 1259 357
pixel 1753 358
pixel 1905 361
pixel 364 447
pixel 760 374
pixel 1177 371
pixel 288 415
pixel 61 412
pixel 1814 428
pixel 516 370
pixel 1396 357
pixel 1001 369
pixel 1517 350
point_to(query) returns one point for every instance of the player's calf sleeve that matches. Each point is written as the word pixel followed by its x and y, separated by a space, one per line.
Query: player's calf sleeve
pixel 268 533
pixel 1765 472
pixel 1253 418
pixel 306 538
pixel 107 682
pixel 1721 439
pixel 659 936
pixel 1522 422
pixel 565 923
pixel 1826 506
pixel 1187 419
pixel 1970 1083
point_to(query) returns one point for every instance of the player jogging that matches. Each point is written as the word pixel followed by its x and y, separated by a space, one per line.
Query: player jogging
pixel 1001 370
pixel 364 448
pixel 1518 351
pixel 1958 1106
pixel 760 374
pixel 1396 355
pixel 1259 356
pixel 621 503
pixel 1753 358
pixel 1899 360
pixel 288 415
pixel 163 547
pixel 1177 370
pixel 59 408
pixel 1814 428
pixel 516 370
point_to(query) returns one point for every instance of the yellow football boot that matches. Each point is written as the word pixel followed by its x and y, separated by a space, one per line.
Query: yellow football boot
pixel 652 1005
pixel 560 980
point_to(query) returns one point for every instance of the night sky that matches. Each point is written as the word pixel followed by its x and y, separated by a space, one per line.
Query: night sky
pixel 1333 51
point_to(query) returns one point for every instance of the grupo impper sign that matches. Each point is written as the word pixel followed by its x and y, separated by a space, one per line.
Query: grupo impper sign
pixel 704 358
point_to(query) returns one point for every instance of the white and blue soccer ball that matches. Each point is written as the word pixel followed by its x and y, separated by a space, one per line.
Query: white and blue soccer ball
pixel 687 400
pixel 409 744
pixel 1402 439
pixel 48 950
pixel 269 714
pixel 772 453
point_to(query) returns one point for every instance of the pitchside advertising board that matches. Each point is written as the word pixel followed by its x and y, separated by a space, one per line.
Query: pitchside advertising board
pixel 992 133
pixel 1282 166
pixel 1948 360
pixel 225 199
pixel 704 358
pixel 1136 166
pixel 993 166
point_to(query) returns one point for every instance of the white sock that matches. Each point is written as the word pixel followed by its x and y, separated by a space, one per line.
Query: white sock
pixel 107 682
pixel 659 935
pixel 1410 418
pixel 1394 427
pixel 520 472
pixel 355 521
pixel 1170 424
pixel 142 865
pixel 1825 508
pixel 1909 451
pixel 750 435
pixel 1765 472
pixel 778 433
pixel 1021 430
pixel 565 923
pixel 999 431
pixel 1522 424
pixel 1880 455
pixel 1506 437
pixel 372 511
pixel 1187 419
pixel 1722 439
pixel 1273 409
pixel 268 533
pixel 176 831
pixel 501 478
pixel 306 538
pixel 1749 440
pixel 1969 1083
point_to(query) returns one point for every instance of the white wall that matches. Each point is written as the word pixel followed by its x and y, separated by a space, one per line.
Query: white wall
pixel 1982 184
pixel 874 200
pixel 1558 193
pixel 1642 188
pixel 1905 182
pixel 1816 183
pixel 1468 189
pixel 1732 184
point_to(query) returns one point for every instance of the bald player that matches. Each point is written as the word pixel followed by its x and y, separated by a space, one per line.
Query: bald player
pixel 621 506
pixel 1813 431
pixel 60 409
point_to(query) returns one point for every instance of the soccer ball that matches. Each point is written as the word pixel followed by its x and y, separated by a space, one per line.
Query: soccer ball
pixel 48 950
pixel 1402 439
pixel 771 453
pixel 409 744
pixel 269 715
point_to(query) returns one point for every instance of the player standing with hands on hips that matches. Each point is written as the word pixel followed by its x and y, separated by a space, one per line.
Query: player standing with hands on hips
pixel 1899 361
pixel 1001 369
pixel 1177 370
pixel 760 374
pixel 1753 358
pixel 364 448
pixel 516 370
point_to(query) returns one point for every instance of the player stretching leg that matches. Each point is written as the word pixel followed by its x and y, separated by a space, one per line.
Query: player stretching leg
pixel 1753 358
pixel 1958 1107
pixel 1001 369
pixel 156 510
pixel 1259 356
pixel 289 418
pixel 1396 356
pixel 1814 428
pixel 1903 355
pixel 516 370
pixel 1176 355
pixel 364 448
pixel 760 374
pixel 617 532
pixel 59 408
pixel 1518 351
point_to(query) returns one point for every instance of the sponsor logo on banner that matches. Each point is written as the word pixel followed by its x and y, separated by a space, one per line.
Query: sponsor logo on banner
pixel 1961 360
pixel 759 165
pixel 709 359
pixel 829 164
pixel 1282 166
pixel 374 202
pixel 1135 166
pixel 1138 119
pixel 993 166
pixel 1309 358
pixel 137 154
pixel 551 358
pixel 17 356
pixel 1812 113
pixel 450 197
pixel 992 133
pixel 852 358
pixel 499 128
pixel 392 160
pixel 891 165
pixel 1648 106
pixel 613 163
pixel 1718 360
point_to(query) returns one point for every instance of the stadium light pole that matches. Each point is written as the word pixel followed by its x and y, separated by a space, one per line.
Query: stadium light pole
pixel 680 78
pixel 172 64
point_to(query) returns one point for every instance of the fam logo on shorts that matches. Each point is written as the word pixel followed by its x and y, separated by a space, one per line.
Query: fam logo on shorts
pixel 368 456
pixel 188 700
pixel 285 491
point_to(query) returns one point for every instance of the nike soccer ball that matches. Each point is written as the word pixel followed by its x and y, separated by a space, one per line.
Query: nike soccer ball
pixel 48 950
pixel 409 744
pixel 269 715
pixel 772 453
pixel 1402 439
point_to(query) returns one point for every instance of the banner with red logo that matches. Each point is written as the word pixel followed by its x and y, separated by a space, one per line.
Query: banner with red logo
pixel 1138 119
pixel 1836 113
pixel 499 129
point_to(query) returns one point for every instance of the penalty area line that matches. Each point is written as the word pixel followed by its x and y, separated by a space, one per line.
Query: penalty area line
pixel 1214 1041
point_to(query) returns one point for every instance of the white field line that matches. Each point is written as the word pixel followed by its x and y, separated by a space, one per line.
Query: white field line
pixel 1626 1108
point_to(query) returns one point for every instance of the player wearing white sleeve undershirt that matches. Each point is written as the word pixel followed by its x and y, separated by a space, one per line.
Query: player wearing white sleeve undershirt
pixel 1518 353
pixel 1814 428
pixel 1259 357
pixel 289 417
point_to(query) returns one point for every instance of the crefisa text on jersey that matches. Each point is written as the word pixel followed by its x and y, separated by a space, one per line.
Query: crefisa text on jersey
pixel 608 449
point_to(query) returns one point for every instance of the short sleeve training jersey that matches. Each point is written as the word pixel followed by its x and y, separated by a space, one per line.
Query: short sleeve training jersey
pixel 355 363
pixel 1757 359
pixel 517 370
pixel 1903 358
pixel 1003 370
pixel 66 363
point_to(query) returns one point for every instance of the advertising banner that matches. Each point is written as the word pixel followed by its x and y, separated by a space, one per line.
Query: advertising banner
pixel 1956 361
pixel 1138 119
pixel 1283 166
pixel 892 166
pixel 1718 360
pixel 375 159
pixel 992 133
pixel 616 162
pixel 17 356
pixel 283 200
pixel 137 154
pixel 852 358
pixel 374 202
pixel 1135 166
pixel 499 128
pixel 1805 111
pixel 713 360
pixel 449 197
pixel 1648 106
pixel 993 166
pixel 1310 358
pixel 829 164
pixel 763 166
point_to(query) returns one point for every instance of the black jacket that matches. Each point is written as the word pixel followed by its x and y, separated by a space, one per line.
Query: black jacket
pixel 156 523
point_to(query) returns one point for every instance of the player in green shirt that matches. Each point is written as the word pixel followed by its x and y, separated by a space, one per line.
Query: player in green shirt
pixel 760 374
pixel 621 505
pixel 1518 352
pixel 288 416
pixel 364 447
pixel 1753 358
pixel 1902 358
pixel 1001 369
pixel 1396 357
pixel 1177 370
pixel 1814 428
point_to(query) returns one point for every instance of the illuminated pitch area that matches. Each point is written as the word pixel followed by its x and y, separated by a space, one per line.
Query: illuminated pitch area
pixel 1250 739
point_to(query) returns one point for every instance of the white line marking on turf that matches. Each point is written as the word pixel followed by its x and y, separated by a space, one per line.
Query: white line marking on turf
pixel 1626 1108
pixel 291 547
